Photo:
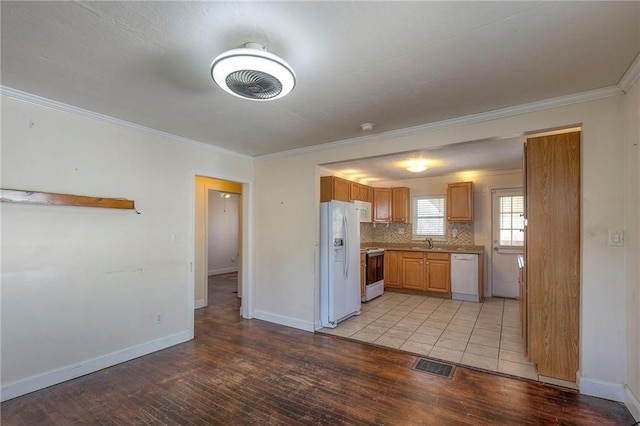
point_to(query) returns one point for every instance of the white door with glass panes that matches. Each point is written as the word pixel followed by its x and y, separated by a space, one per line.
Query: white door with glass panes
pixel 507 242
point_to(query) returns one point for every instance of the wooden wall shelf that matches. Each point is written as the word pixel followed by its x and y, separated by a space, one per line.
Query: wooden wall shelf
pixel 53 199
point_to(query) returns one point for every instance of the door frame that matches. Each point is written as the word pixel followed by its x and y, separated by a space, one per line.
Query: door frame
pixel 492 250
pixel 208 190
pixel 245 267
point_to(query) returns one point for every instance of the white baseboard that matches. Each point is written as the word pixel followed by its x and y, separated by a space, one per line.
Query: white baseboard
pixel 600 388
pixel 223 270
pixel 282 320
pixel 53 377
pixel 200 303
pixel 632 403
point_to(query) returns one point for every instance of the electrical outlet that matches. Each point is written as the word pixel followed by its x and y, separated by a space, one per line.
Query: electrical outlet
pixel 159 318
pixel 616 238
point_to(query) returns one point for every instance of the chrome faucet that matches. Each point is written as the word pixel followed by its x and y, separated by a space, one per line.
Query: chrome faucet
pixel 430 242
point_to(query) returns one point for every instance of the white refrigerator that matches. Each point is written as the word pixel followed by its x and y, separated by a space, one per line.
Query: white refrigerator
pixel 339 262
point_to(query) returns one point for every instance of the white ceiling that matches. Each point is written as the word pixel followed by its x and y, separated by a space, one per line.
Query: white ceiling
pixel 396 64
pixel 472 158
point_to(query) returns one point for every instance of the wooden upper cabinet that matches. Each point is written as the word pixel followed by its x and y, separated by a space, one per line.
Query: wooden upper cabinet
pixel 360 192
pixel 400 207
pixel 391 204
pixel 354 191
pixel 369 196
pixel 382 204
pixel 460 202
pixel 334 188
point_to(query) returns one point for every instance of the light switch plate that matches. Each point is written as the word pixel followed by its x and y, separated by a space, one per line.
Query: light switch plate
pixel 616 238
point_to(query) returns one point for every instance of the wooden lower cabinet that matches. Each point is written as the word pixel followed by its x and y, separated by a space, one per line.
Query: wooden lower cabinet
pixel 438 273
pixel 413 271
pixel 418 271
pixel 392 269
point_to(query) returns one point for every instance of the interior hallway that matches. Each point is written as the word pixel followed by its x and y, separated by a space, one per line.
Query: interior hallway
pixel 224 304
pixel 482 335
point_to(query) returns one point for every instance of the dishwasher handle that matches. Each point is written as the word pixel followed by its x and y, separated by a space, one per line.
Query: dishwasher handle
pixel 465 257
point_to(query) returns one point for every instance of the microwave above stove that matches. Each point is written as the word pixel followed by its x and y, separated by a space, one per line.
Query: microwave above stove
pixel 364 210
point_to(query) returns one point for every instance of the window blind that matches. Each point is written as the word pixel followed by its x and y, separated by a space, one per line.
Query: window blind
pixel 429 214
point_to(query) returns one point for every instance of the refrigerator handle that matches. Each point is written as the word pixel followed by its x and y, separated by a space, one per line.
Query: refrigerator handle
pixel 345 269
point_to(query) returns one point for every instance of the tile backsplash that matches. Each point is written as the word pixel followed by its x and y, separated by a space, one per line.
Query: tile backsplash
pixel 401 233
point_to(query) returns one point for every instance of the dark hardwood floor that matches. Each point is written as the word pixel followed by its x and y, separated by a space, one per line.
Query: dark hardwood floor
pixel 252 372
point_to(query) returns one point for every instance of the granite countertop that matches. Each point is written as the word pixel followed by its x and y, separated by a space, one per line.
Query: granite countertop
pixel 422 246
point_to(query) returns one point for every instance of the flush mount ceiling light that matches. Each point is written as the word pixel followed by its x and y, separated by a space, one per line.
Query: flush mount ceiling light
pixel 251 72
pixel 416 166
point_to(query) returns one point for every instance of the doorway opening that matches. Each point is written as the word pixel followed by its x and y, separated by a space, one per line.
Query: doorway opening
pixel 218 219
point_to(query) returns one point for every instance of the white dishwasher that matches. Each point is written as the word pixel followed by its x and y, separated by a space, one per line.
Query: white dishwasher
pixel 464 277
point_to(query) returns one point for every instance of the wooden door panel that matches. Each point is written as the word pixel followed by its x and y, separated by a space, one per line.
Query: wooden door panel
pixel 413 273
pixel 460 202
pixel 438 276
pixel 553 253
pixel 382 205
pixel 392 269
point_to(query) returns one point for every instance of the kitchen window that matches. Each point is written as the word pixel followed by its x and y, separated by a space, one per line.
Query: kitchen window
pixel 511 220
pixel 429 217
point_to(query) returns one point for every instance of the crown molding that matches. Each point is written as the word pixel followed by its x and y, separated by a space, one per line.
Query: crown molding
pixel 605 92
pixel 575 98
pixel 80 112
pixel 630 76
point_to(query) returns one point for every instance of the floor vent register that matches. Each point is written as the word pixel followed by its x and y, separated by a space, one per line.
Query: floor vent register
pixel 434 367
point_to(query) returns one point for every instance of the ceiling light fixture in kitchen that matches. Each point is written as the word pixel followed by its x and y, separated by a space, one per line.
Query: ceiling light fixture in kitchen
pixel 416 166
pixel 251 72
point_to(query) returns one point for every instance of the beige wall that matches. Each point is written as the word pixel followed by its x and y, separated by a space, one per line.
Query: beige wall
pixel 81 287
pixel 287 198
pixel 632 237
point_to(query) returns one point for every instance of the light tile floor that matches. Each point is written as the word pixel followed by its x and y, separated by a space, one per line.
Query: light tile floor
pixel 483 335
